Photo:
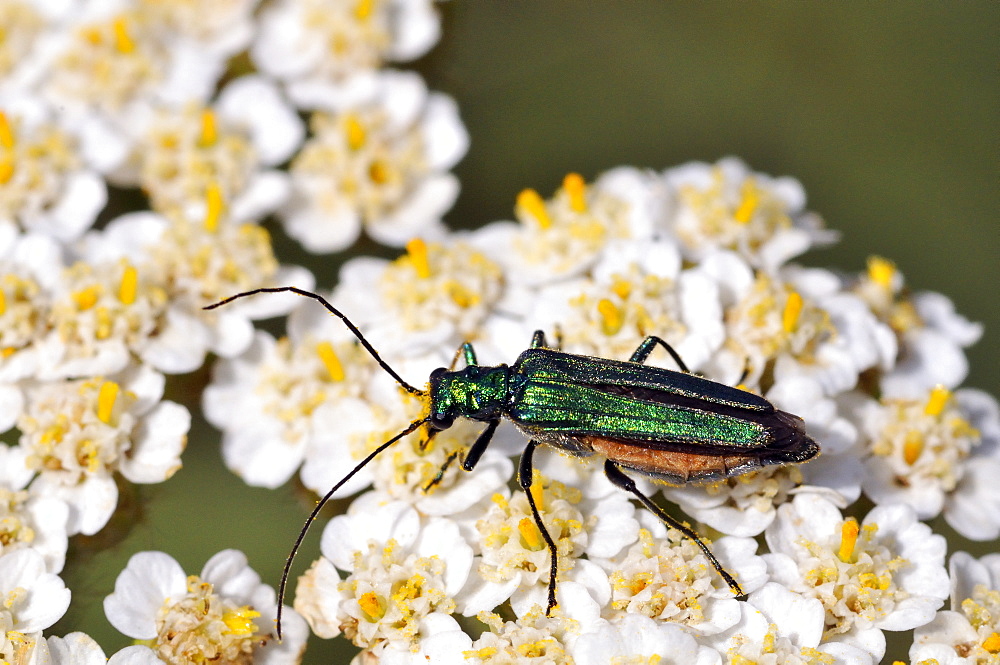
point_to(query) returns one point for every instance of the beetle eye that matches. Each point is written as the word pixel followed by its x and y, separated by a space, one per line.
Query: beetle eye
pixel 441 420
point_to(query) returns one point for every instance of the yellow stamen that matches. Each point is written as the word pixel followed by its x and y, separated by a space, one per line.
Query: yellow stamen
pixel 6 132
pixel 334 370
pixel 937 401
pixel 532 204
pixel 538 490
pixel 576 189
pixel 209 129
pixel 106 401
pixel 128 285
pixel 87 298
pixel 378 172
pixel 417 251
pixel 531 537
pixel 240 621
pixel 992 643
pixel 356 135
pixel 372 606
pixel 793 309
pixel 848 539
pixel 104 321
pixel 6 168
pixel 621 288
pixel 913 447
pixel 612 317
pixel 881 271
pixel 6 149
pixel 3 302
pixel 363 10
pixel 215 206
pixel 123 42
pixel 750 199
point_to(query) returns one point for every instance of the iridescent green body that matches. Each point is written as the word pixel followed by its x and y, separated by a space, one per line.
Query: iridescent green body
pixel 627 411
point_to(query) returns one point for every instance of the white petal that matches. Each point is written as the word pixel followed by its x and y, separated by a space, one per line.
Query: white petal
pixel 149 579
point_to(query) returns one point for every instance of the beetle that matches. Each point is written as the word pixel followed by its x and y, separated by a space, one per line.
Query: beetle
pixel 671 426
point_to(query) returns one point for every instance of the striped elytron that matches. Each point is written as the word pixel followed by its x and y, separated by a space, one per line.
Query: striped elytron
pixel 671 426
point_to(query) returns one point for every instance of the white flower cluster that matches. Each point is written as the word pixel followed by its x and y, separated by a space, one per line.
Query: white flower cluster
pixel 700 255
pixel 223 113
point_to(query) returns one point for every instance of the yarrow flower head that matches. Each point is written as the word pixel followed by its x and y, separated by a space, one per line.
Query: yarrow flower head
pixel 969 632
pixel 402 570
pixel 380 165
pixel 886 573
pixel 699 256
pixel 223 615
pixel 77 434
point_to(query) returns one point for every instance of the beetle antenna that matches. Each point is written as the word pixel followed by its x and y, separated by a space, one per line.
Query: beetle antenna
pixel 322 502
pixel 336 312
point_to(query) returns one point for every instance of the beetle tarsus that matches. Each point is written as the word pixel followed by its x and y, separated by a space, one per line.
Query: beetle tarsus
pixel 524 476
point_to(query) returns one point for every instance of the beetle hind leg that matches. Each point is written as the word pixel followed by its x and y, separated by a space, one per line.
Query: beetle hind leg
pixel 643 350
pixel 524 477
pixel 619 479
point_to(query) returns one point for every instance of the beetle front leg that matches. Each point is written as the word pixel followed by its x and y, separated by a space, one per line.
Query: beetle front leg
pixel 524 477
pixel 647 346
pixel 480 446
pixel 469 353
pixel 620 480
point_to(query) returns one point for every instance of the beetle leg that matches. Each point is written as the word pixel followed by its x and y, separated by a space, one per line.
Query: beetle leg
pixel 431 433
pixel 444 467
pixel 469 353
pixel 647 346
pixel 479 447
pixel 524 477
pixel 618 477
pixel 538 340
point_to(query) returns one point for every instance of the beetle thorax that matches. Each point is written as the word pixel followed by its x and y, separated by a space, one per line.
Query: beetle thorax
pixel 475 392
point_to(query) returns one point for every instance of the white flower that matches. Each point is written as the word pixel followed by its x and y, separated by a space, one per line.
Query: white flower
pixel 29 519
pixel 567 234
pixel 780 627
pixel 533 637
pixel 73 649
pixel 78 433
pixel 328 52
pixel 99 316
pixel 32 600
pixel 224 614
pixel 727 206
pixel 381 165
pixel 114 66
pixel 21 58
pixel 221 28
pixel 666 576
pixel 181 157
pixel 436 296
pixel 931 334
pixel 267 401
pixel 634 638
pixel 938 453
pixel 969 632
pixel 196 265
pixel 45 186
pixel 514 561
pixel 636 290
pixel 885 574
pixel 402 569
pixel 797 323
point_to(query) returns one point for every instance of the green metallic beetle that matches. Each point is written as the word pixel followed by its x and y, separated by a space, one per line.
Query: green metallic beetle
pixel 671 426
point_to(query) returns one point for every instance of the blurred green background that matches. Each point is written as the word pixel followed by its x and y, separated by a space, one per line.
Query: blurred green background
pixel 886 112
